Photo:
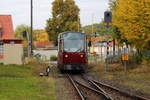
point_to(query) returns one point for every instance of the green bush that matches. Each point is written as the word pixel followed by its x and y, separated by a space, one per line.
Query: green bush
pixel 146 55
pixel 137 59
pixel 142 56
pixel 53 58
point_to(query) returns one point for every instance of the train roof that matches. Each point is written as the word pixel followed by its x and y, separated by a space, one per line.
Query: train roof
pixel 71 32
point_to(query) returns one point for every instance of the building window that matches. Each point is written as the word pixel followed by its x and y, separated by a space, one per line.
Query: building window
pixel 1 49
pixel 1 33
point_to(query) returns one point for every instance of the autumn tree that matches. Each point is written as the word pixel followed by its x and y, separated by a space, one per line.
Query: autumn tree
pixel 65 17
pixel 40 35
pixel 132 17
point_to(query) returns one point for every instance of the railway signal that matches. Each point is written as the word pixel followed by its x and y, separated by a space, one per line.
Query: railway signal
pixel 107 21
pixel 108 17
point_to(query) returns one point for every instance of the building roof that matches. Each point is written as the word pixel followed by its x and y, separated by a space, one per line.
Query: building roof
pixel 98 39
pixel 42 44
pixel 6 26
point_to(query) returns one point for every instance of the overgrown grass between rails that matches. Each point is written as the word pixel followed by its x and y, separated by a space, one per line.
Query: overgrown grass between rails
pixel 18 82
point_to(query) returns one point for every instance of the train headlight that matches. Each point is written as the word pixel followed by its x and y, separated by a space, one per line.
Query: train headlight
pixel 66 56
pixel 81 56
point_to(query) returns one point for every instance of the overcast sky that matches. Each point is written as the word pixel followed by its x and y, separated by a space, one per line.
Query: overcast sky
pixel 20 11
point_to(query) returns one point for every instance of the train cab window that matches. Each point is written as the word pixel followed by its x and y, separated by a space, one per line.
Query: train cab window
pixel 74 42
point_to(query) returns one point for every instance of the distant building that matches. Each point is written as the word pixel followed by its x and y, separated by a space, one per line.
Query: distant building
pixel 97 45
pixel 43 44
pixel 100 44
pixel 11 49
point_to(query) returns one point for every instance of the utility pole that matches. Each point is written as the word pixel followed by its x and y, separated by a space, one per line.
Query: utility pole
pixel 31 44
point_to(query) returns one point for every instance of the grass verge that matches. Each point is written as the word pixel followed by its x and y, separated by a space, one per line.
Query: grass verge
pixel 21 83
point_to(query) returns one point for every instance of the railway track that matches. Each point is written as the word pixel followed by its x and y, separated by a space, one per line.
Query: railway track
pixel 114 89
pixel 114 92
pixel 90 89
pixel 86 91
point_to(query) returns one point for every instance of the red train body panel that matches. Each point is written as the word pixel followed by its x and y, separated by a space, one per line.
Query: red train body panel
pixel 72 59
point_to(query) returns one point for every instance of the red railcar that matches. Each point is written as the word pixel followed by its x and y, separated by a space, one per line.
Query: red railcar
pixel 72 51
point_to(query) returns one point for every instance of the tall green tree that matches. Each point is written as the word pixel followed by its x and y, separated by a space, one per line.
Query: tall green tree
pixel 65 17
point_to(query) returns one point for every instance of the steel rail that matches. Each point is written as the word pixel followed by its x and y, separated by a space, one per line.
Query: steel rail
pixel 99 88
pixel 108 96
pixel 92 89
pixel 76 87
pixel 121 91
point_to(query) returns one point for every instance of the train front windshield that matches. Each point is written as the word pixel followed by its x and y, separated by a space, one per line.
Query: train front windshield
pixel 74 42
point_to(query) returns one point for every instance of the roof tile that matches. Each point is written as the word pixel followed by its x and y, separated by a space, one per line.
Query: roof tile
pixel 7 27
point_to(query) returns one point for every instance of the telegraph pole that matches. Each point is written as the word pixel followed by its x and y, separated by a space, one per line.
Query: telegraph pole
pixel 31 44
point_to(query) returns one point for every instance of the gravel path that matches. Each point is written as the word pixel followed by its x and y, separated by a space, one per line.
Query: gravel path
pixel 65 90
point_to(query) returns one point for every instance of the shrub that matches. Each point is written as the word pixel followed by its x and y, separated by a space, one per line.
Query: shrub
pixel 53 58
pixel 142 57
pixel 136 59
pixel 146 55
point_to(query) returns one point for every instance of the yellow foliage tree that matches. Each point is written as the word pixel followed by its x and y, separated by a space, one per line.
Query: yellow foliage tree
pixel 40 35
pixel 132 17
